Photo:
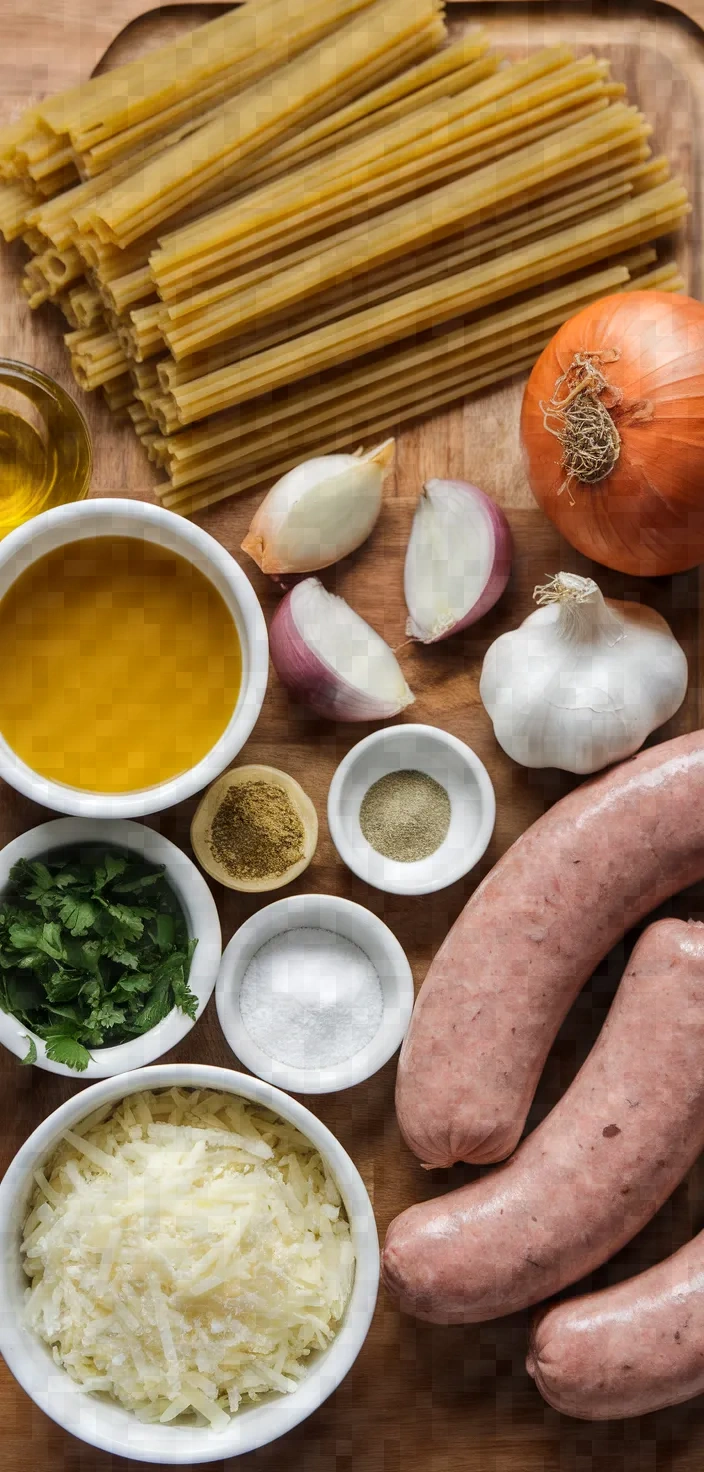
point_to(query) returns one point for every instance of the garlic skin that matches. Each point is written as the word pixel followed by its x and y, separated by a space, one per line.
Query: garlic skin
pixel 319 512
pixel 583 681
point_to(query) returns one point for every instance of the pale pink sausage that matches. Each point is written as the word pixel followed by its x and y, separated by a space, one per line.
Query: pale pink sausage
pixel 530 937
pixel 592 1174
pixel 634 1348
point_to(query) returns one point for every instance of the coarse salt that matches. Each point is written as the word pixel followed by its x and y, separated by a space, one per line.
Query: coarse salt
pixel 311 998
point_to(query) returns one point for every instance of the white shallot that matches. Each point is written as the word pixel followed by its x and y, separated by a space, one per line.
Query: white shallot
pixel 583 680
pixel 335 662
pixel 458 559
pixel 319 512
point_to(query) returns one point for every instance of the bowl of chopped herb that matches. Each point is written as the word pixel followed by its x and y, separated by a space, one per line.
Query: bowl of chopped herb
pixel 110 945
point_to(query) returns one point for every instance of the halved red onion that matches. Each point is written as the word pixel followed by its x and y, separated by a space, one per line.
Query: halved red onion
pixel 458 559
pixel 335 662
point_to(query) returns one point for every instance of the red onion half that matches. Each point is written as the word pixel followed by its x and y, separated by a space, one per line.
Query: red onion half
pixel 458 559
pixel 332 660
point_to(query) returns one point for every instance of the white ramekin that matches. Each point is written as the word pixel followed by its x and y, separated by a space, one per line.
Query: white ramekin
pixel 355 923
pixel 454 765
pixel 202 920
pixel 106 1425
pixel 105 517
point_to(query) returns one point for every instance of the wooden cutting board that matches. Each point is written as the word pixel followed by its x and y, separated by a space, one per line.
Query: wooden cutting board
pixel 420 1398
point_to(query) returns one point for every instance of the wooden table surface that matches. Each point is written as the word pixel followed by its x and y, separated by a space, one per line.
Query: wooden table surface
pixel 420 1398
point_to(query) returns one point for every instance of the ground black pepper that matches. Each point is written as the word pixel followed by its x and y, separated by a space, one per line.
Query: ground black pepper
pixel 256 832
pixel 405 816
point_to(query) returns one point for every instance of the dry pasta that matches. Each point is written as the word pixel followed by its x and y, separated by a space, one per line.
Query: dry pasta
pixel 121 99
pixel 245 309
pixel 470 376
pixel 289 229
pixel 290 95
pixel 293 412
pixel 444 74
pixel 653 213
pixel 409 225
pixel 119 394
pixel 436 262
pixel 391 163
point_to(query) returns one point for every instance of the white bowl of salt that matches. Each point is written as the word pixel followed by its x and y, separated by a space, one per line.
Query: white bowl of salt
pixel 314 994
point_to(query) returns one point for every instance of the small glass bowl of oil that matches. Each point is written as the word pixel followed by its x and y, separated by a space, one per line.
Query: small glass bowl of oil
pixel 46 457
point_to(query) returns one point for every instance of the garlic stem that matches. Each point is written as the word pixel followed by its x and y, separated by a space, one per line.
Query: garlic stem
pixel 584 615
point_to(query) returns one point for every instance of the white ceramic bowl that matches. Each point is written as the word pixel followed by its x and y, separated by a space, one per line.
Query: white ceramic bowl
pixel 198 907
pixel 103 1423
pixel 105 517
pixel 327 912
pixel 455 766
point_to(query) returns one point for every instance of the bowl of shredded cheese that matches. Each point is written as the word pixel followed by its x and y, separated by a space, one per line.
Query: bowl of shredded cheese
pixel 189 1264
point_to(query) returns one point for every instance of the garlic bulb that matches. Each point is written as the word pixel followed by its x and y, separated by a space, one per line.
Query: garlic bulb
pixel 319 512
pixel 583 680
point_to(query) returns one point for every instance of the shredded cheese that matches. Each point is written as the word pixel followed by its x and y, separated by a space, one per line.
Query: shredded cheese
pixel 187 1252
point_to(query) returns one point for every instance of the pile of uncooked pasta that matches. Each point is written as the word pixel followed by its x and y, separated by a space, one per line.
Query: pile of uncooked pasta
pixel 299 224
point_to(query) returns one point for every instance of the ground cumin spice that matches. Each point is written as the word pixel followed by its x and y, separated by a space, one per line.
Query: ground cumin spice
pixel 256 832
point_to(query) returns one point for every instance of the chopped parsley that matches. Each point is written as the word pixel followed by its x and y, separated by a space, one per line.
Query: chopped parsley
pixel 94 951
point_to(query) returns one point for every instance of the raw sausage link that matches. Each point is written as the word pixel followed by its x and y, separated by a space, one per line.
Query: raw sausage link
pixel 530 937
pixel 592 1174
pixel 634 1348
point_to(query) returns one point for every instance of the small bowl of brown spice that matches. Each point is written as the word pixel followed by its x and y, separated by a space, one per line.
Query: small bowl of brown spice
pixel 255 829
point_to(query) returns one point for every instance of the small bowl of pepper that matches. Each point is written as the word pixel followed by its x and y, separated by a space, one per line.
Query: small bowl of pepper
pixel 411 809
pixel 255 829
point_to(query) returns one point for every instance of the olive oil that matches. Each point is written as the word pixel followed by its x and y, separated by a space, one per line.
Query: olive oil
pixel 45 451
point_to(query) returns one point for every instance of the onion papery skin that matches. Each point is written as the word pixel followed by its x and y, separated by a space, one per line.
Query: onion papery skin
pixel 646 517
pixel 302 671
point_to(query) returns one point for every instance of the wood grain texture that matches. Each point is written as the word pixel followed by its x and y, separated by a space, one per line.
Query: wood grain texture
pixel 421 1398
